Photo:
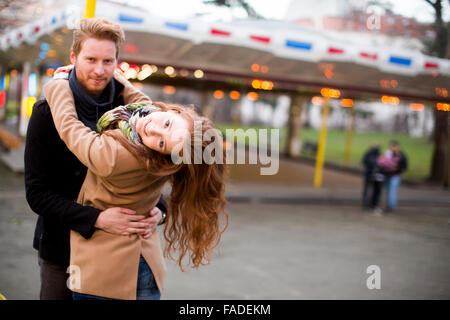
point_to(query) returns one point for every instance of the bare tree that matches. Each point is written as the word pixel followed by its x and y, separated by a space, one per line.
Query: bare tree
pixel 10 13
pixel 5 4
pixel 439 45
pixel 236 3
pixel 438 48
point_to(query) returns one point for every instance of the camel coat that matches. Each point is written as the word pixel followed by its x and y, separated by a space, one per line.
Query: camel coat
pixel 107 265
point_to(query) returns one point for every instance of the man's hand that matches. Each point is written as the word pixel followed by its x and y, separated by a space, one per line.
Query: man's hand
pixel 153 220
pixel 122 221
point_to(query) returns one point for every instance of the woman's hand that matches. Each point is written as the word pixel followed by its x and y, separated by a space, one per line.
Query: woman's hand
pixel 63 72
pixel 153 220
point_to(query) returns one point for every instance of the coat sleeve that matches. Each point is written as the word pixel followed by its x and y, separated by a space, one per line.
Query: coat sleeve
pixel 403 164
pixel 97 152
pixel 42 192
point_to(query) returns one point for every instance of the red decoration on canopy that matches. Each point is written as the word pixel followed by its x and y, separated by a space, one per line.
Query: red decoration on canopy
pixel 260 39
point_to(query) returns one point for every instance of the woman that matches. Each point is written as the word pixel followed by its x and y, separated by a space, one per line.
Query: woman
pixel 128 164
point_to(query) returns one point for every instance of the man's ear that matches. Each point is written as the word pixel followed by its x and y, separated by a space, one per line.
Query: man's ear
pixel 73 58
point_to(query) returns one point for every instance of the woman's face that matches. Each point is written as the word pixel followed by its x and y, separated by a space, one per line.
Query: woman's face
pixel 162 131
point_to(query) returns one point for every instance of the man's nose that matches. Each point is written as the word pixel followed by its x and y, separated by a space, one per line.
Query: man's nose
pixel 99 69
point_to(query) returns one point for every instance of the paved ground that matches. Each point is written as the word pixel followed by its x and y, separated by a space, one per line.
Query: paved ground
pixel 275 251
pixel 319 252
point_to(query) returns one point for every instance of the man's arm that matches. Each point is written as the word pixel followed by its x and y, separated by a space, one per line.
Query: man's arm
pixel 403 163
pixel 41 190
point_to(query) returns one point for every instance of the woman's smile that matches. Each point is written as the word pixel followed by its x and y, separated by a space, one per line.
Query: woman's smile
pixel 145 126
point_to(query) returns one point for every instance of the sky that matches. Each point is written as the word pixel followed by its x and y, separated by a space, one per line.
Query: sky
pixel 419 9
pixel 272 9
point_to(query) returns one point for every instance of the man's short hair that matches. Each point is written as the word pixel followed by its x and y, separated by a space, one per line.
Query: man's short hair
pixel 98 28
pixel 394 142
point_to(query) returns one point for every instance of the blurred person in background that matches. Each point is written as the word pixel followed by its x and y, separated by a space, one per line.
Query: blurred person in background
pixel 395 164
pixel 369 162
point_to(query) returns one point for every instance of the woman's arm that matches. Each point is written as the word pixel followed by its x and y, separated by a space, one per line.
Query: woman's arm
pixel 130 93
pixel 95 151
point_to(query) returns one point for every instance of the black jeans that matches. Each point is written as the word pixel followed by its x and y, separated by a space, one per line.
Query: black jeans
pixel 376 195
pixel 367 188
pixel 53 281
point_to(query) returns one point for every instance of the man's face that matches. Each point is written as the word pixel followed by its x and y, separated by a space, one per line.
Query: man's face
pixel 95 64
pixel 395 148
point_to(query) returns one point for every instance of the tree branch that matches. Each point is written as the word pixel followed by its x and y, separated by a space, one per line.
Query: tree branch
pixel 431 3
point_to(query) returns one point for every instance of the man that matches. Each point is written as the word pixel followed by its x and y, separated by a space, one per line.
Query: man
pixel 369 162
pixel 393 174
pixel 53 175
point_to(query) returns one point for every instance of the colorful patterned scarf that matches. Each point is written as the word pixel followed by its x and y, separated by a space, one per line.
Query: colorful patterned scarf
pixel 125 118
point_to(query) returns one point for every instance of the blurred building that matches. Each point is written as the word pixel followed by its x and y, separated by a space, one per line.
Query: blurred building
pixel 363 21
pixel 19 12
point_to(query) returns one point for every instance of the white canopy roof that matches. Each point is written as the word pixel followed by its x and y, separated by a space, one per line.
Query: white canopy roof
pixel 291 53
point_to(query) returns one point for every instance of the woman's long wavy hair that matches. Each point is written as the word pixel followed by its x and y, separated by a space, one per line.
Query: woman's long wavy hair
pixel 198 193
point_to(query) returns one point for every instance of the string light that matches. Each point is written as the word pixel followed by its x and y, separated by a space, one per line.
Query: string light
pixel 253 96
pixel 255 67
pixel 347 103
pixel 318 101
pixel 169 89
pixel 218 94
pixel 144 73
pixel 330 93
pixel 443 106
pixel 198 74
pixel 169 70
pixel 262 84
pixel 390 100
pixel 235 95
pixel 417 106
